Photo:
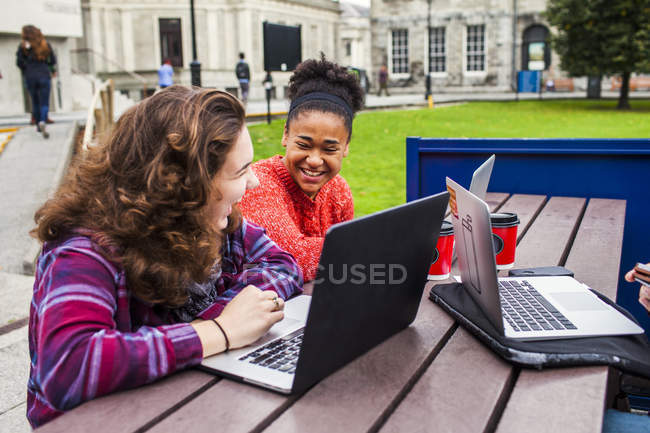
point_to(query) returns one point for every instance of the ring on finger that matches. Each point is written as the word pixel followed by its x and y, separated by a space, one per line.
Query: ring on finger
pixel 277 304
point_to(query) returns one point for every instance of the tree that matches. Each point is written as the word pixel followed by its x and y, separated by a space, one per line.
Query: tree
pixel 602 37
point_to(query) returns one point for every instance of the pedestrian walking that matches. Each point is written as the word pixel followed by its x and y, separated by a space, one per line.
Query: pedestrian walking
pixel 37 61
pixel 383 80
pixel 244 76
pixel 165 74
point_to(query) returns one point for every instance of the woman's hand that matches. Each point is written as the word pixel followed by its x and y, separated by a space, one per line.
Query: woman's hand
pixel 245 319
pixel 250 314
pixel 644 291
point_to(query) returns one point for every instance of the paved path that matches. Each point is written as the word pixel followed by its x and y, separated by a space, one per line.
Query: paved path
pixel 14 358
pixel 30 169
pixel 373 102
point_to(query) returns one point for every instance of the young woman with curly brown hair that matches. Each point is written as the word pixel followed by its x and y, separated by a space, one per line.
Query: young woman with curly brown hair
pixel 147 265
pixel 302 194
pixel 37 61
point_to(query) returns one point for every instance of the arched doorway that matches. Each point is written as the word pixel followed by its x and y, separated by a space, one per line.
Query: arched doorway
pixel 536 49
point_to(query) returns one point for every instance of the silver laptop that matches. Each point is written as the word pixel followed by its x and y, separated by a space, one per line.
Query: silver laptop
pixel 524 308
pixel 481 178
pixel 369 284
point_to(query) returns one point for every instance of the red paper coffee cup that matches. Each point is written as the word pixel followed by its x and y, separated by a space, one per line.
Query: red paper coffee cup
pixel 441 266
pixel 504 237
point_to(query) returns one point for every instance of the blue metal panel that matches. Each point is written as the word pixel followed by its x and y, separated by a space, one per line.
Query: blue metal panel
pixel 528 81
pixel 603 168
pixel 412 168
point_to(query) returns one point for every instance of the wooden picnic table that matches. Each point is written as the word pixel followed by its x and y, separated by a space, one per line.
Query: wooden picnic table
pixel 433 376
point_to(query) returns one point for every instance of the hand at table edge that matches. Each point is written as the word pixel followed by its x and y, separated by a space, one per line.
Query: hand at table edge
pixel 644 291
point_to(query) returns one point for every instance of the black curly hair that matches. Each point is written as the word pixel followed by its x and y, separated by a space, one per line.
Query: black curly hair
pixel 324 76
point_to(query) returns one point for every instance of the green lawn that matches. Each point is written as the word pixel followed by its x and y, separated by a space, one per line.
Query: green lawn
pixel 375 167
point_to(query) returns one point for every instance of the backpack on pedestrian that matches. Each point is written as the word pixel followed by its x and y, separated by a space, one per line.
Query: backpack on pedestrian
pixel 242 71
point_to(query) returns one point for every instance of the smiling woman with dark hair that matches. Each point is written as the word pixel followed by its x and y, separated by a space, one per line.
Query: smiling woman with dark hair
pixel 302 194
pixel 142 238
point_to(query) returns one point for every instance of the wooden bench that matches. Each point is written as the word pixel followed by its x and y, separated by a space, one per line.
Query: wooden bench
pixel 433 376
pixel 563 84
pixel 636 83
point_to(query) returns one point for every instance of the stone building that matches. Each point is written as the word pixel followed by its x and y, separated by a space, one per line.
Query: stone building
pixel 355 37
pixel 472 45
pixel 128 39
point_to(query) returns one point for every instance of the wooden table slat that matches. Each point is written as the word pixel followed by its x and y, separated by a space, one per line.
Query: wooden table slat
pixel 128 411
pixel 554 399
pixel 545 242
pixel 567 212
pixel 465 377
pixel 366 390
pixel 227 406
pixel 526 207
pixel 595 255
pixel 496 199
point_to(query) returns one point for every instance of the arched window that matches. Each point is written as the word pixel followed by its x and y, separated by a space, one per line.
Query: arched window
pixel 536 54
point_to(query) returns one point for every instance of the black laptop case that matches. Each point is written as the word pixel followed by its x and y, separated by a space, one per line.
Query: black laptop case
pixel 630 354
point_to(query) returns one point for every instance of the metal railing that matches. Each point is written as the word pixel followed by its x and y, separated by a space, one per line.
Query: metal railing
pixel 132 74
pixel 99 120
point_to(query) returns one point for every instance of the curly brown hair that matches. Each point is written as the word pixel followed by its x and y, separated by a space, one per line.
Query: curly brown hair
pixel 142 193
pixel 39 46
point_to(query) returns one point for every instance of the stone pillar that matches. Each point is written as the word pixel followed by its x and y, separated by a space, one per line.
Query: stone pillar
pixel 127 40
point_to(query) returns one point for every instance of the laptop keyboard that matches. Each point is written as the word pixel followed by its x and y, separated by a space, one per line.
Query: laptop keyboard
pixel 280 354
pixel 526 310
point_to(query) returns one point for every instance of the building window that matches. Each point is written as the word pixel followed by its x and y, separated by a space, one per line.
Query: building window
pixel 475 48
pixel 437 49
pixel 170 40
pixel 348 48
pixel 400 51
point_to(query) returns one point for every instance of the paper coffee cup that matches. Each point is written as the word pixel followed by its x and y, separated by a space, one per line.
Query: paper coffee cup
pixel 504 238
pixel 441 266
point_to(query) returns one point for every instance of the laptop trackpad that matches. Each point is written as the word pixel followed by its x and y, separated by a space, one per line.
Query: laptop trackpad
pixel 578 301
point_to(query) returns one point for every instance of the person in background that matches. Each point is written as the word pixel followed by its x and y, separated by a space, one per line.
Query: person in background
pixel 383 80
pixel 550 85
pixel 165 74
pixel 37 61
pixel 619 421
pixel 301 194
pixel 147 266
pixel 244 76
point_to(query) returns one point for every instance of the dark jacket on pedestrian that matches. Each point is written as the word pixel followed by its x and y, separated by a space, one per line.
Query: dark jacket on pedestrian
pixel 32 67
pixel 242 71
